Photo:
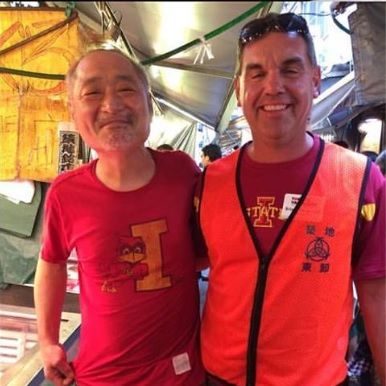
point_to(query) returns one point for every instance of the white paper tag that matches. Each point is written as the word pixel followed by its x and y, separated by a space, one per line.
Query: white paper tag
pixel 181 363
pixel 290 201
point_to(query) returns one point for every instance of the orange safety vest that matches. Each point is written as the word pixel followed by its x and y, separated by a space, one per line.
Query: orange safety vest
pixel 282 319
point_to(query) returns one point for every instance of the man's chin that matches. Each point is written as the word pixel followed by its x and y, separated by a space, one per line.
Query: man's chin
pixel 117 147
pixel 120 145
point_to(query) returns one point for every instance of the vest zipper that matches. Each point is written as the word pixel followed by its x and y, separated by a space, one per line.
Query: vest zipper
pixel 258 299
pixel 255 320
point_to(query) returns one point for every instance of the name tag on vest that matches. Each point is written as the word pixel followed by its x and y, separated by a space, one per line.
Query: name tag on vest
pixel 289 204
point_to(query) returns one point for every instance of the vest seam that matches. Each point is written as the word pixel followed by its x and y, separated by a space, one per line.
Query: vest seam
pixel 355 239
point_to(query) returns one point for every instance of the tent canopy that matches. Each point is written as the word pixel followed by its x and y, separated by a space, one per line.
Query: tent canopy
pixel 188 47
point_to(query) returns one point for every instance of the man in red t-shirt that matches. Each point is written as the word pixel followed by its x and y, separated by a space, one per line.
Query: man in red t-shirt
pixel 128 216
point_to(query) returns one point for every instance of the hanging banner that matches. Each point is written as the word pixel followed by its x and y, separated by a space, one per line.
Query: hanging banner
pixel 36 49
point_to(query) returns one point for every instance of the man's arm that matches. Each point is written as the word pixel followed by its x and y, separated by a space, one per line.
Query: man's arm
pixel 371 295
pixel 49 292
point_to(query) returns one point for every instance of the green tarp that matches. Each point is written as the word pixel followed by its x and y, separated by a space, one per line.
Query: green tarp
pixel 18 252
pixel 19 219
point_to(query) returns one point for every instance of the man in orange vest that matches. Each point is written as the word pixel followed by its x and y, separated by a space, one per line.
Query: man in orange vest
pixel 289 221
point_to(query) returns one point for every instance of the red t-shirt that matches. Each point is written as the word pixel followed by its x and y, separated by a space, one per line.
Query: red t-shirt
pixel 136 262
pixel 287 181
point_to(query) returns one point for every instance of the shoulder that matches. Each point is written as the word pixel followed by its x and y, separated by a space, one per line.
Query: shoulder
pixel 223 165
pixel 346 163
pixel 376 184
pixel 349 155
pixel 376 175
pixel 175 161
pixel 69 178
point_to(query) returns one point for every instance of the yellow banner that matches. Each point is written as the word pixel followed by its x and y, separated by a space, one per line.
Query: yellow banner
pixel 31 108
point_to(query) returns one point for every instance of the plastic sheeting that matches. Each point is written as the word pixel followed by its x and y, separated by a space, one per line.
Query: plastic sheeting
pixel 367 24
pixel 18 255
pixel 175 130
pixel 327 102
pixel 19 219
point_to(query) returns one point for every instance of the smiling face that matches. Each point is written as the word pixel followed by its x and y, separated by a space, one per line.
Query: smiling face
pixel 276 86
pixel 109 102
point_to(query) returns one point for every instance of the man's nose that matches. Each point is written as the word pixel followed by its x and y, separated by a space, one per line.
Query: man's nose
pixel 273 83
pixel 112 101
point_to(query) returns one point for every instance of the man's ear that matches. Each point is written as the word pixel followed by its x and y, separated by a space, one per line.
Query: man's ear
pixel 316 79
pixel 236 86
pixel 70 109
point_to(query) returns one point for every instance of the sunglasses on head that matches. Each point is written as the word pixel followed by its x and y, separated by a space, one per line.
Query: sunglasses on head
pixel 286 22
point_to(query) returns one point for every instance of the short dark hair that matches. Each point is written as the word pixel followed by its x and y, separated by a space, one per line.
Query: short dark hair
pixel 275 22
pixel 165 146
pixel 213 151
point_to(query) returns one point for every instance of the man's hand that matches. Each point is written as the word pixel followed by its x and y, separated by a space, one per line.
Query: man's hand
pixel 56 367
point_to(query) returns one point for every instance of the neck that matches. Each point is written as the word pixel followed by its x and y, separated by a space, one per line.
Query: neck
pixel 277 151
pixel 125 171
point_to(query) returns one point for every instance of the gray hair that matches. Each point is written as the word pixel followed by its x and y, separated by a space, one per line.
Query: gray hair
pixel 138 68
